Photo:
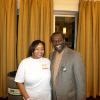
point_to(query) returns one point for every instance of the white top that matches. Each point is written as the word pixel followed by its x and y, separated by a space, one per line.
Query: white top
pixel 35 74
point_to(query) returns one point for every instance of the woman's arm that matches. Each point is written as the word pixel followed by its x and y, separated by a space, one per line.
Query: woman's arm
pixel 23 91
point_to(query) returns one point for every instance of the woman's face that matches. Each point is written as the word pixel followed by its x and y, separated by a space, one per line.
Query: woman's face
pixel 39 51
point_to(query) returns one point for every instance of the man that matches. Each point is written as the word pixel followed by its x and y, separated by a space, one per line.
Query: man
pixel 68 71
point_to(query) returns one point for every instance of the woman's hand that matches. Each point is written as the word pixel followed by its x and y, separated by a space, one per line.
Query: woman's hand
pixel 28 98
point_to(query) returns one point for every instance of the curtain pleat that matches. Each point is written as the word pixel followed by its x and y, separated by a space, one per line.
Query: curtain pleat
pixel 88 43
pixel 7 42
pixel 11 35
pixel 3 48
pixel 23 29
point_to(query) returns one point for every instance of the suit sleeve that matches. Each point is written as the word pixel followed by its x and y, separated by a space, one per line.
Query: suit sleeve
pixel 80 77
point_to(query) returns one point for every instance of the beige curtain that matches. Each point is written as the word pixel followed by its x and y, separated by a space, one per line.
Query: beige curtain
pixel 3 48
pixel 7 42
pixel 35 22
pixel 88 43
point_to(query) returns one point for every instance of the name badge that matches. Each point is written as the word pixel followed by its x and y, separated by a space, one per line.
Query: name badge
pixel 44 66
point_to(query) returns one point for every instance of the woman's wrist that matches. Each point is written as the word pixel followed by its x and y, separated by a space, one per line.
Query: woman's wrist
pixel 30 98
pixel 27 98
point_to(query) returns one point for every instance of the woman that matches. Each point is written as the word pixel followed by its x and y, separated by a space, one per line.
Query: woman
pixel 33 74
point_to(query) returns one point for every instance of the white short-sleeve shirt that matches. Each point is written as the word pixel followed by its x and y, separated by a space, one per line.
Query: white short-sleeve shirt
pixel 35 74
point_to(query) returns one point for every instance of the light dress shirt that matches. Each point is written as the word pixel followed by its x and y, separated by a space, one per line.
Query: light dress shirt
pixel 56 63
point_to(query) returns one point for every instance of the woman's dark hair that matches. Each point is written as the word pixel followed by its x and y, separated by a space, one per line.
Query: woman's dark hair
pixel 55 33
pixel 33 46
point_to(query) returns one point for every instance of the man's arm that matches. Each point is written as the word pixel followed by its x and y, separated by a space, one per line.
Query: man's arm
pixel 80 77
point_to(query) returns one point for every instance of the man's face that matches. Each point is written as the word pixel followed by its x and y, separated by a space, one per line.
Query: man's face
pixel 58 42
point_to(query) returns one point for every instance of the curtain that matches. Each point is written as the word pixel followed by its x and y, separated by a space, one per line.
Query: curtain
pixel 88 43
pixel 35 22
pixel 7 42
pixel 3 48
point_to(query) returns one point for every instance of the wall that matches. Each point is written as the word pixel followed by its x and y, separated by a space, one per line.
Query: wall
pixel 68 5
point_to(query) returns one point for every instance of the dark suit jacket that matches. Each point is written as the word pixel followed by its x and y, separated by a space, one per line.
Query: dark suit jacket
pixel 71 77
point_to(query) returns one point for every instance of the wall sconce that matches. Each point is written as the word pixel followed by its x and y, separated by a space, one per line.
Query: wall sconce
pixel 64 30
